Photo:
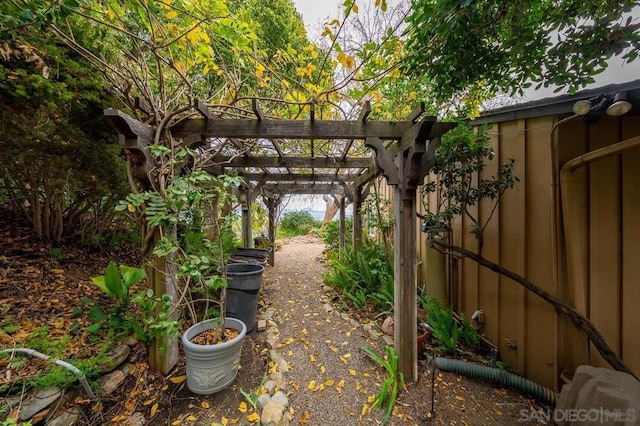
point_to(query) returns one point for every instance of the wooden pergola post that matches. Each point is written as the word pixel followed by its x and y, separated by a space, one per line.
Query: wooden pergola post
pixel 342 222
pixel 405 166
pixel 245 205
pixel 272 206
pixel 135 137
pixel 359 195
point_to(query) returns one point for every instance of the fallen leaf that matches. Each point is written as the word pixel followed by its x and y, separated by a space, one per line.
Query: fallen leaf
pixel 329 382
pixel 253 417
pixel 178 379
pixel 119 418
pixel 242 407
pixel 192 418
pixel 352 372
pixel 312 385
pixel 154 409
pixel 459 398
pixel 205 404
pixel 305 418
pixel 176 423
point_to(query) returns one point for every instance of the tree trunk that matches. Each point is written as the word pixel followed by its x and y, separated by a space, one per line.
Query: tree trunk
pixel 582 322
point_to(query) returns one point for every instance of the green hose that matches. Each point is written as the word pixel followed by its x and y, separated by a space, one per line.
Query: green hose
pixel 498 376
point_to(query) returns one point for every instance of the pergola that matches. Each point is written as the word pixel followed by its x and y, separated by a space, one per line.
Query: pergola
pixel 403 152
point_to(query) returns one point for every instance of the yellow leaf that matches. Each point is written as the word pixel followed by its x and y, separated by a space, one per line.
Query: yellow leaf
pixel 172 14
pixel 329 382
pixel 342 359
pixel 347 355
pixel 355 8
pixel 312 358
pixel 305 418
pixel 341 383
pixel 335 349
pixel 154 409
pixel 242 407
pixel 192 418
pixel 164 388
pixel 291 410
pixel 178 379
pixel 366 374
pixel 459 398
pixel 205 404
pixel 57 271
pixel 176 423
pixel 119 418
pixel 352 372
pixel 364 410
pixel 312 385
pixel 148 401
pixel 224 421
pixel 253 417
pixel 131 208
pixel 323 369
pixel 371 398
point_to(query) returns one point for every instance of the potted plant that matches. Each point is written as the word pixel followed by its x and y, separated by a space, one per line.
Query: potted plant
pixel 188 212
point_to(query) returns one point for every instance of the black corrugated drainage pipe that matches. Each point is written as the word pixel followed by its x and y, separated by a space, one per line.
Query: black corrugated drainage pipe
pixel 498 376
pixel 73 369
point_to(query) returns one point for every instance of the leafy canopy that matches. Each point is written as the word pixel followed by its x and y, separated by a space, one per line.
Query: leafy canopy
pixel 475 45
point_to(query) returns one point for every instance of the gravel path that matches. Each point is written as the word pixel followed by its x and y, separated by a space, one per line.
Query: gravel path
pixel 330 379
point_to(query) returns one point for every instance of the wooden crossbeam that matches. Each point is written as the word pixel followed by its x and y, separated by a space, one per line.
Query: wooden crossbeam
pixel 304 162
pixel 291 129
pixel 304 188
pixel 298 177
pixel 427 129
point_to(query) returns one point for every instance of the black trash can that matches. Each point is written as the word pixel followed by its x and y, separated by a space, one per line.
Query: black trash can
pixel 249 255
pixel 243 291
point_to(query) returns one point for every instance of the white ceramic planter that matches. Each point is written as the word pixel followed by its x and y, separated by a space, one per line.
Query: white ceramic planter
pixel 211 368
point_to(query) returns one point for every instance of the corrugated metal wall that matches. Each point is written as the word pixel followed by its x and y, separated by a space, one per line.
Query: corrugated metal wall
pixel 528 332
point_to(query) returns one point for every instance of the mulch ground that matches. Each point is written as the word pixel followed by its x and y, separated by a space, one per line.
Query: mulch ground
pixel 331 381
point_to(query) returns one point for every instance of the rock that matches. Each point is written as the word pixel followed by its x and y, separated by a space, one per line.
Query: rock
pixel 595 391
pixel 114 358
pixel 67 418
pixel 262 325
pixel 388 340
pixel 279 378
pixel 111 381
pixel 268 315
pixel 136 419
pixel 272 414
pixel 327 307
pixel 270 385
pixel 280 398
pixel 354 322
pixel 263 399
pixel 38 402
pixel 37 418
pixel 273 337
pixel 387 326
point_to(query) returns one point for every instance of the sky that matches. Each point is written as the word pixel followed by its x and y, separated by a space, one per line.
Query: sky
pixel 315 12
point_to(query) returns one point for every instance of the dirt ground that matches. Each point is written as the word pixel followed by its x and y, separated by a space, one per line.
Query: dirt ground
pixel 330 380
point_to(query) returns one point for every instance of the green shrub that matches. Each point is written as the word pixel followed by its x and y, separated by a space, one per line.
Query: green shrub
pixel 331 234
pixel 296 223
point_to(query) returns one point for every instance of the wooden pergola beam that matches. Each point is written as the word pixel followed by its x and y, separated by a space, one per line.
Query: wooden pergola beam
pixel 304 162
pixel 298 177
pixel 291 129
pixel 366 110
pixel 298 188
